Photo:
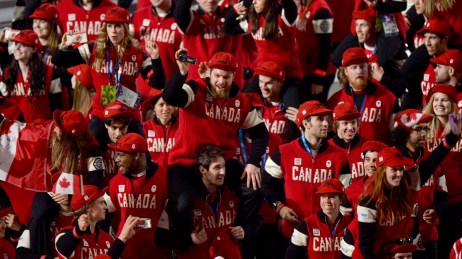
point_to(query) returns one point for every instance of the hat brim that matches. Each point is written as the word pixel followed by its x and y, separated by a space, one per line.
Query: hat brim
pixel 398 162
pixel 319 112
pixel 355 61
pixel 348 117
pixel 267 73
pixel 35 16
pixel 98 194
pixel 149 102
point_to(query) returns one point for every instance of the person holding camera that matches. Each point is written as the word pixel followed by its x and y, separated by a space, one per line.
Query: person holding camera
pixel 138 189
pixel 212 110
pixel 115 64
pixel 84 239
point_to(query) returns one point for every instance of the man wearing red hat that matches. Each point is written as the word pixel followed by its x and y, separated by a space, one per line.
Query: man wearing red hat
pixel 346 125
pixel 376 104
pixel 410 136
pixel 211 113
pixel 83 16
pixel 275 113
pixel 138 189
pixel 436 33
pixel 117 117
pixel 369 151
pixel 298 167
pixel 448 70
pixel 85 239
pixel 320 234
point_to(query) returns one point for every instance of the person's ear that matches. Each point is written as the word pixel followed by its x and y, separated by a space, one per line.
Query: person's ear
pixel 202 169
pixel 451 71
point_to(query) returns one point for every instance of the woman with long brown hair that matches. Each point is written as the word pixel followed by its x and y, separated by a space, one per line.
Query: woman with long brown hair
pixel 387 205
pixel 115 64
pixel 28 80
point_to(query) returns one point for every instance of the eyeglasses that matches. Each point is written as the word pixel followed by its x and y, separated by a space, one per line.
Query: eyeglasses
pixel 421 129
pixel 404 240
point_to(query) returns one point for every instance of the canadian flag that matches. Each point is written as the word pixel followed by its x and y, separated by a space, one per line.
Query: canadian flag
pixel 69 184
pixel 24 154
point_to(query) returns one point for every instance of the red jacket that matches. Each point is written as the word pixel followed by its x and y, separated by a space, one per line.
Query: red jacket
pixel 281 49
pixel 160 140
pixel 163 31
pixel 142 197
pixel 204 217
pixel 210 121
pixel 317 238
pixel 32 107
pixel 73 17
pixel 303 174
pixel 376 111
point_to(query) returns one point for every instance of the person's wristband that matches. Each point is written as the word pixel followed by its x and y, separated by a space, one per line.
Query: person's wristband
pixel 279 207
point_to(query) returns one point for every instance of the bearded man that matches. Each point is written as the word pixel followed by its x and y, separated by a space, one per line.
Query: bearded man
pixel 212 110
pixel 377 105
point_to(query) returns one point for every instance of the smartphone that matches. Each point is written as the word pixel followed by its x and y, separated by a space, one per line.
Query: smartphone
pixel 143 223
pixel 77 37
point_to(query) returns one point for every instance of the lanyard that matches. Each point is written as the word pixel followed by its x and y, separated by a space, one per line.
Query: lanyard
pixel 361 109
pixel 114 70
pixel 243 144
pixel 307 147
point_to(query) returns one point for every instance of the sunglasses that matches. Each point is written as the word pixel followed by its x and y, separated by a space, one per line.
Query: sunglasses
pixel 404 240
pixel 421 129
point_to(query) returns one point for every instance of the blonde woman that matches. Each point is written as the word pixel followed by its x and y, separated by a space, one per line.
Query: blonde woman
pixel 442 103
pixel 115 64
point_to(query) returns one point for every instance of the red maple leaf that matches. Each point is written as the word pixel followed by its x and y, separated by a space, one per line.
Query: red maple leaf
pixel 64 183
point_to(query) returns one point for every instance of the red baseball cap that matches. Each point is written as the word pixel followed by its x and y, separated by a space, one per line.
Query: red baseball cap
pixel 150 101
pixel 91 193
pixel 224 61
pixel 451 57
pixel 224 246
pixel 118 110
pixel 117 14
pixel 71 122
pixel 331 185
pixel 372 145
pixel 411 117
pixel 27 37
pixel 310 108
pixel 83 74
pixel 392 157
pixel 446 89
pixel 367 14
pixel 400 248
pixel 345 111
pixel 271 69
pixel 353 56
pixel 5 211
pixel 437 26
pixel 45 11
pixel 130 143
